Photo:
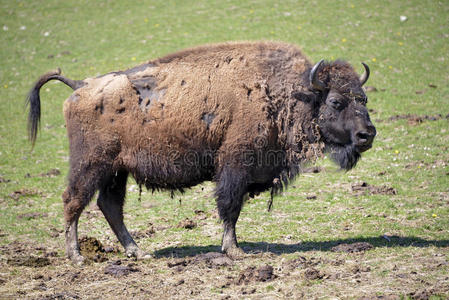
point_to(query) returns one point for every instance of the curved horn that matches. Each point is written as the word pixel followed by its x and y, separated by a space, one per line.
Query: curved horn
pixel 365 76
pixel 316 83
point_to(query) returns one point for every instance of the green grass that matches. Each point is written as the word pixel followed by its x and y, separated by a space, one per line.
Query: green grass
pixel 88 38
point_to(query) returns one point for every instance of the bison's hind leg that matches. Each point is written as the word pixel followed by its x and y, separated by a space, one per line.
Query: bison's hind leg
pixel 83 182
pixel 110 200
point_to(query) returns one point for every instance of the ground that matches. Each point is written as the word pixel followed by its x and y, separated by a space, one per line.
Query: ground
pixel 187 262
pixel 380 231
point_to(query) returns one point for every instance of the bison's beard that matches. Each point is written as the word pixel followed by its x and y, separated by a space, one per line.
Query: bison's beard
pixel 346 156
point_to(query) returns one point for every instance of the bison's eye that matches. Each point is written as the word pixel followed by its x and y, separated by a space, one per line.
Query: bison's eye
pixel 363 100
pixel 335 103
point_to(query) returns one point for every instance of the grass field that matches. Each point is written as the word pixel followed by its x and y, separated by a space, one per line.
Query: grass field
pixel 396 199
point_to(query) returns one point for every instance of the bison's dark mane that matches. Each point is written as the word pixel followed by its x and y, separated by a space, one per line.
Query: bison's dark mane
pixel 304 142
pixel 300 139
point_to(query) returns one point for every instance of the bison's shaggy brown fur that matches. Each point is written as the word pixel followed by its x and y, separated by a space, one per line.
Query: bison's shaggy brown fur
pixel 241 114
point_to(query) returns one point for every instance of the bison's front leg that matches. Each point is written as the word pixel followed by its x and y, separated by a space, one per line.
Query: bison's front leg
pixel 230 192
pixel 110 201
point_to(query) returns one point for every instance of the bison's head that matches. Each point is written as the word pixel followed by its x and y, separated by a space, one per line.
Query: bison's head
pixel 343 118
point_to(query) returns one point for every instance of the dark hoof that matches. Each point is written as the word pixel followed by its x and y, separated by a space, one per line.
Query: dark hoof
pixel 138 254
pixel 77 260
pixel 235 253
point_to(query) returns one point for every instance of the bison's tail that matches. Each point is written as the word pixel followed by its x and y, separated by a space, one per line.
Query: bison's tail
pixel 34 101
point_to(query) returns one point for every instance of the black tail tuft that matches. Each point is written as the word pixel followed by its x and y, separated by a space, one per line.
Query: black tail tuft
pixel 33 99
pixel 34 114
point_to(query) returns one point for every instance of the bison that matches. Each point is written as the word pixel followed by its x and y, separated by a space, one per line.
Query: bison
pixel 245 115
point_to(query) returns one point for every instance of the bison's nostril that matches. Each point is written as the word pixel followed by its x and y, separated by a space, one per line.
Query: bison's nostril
pixel 364 137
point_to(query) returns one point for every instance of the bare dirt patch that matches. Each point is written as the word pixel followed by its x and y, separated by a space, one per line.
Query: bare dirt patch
pixel 424 294
pixel 50 173
pixel 28 261
pixel 301 263
pixel 4 180
pixel 414 119
pixel 364 188
pixel 23 193
pixel 354 247
pixel 200 214
pixel 139 234
pixel 312 274
pixel 60 296
pixel 381 297
pixel 54 232
pixel 18 252
pixel 214 259
pixel 187 224
pixel 34 215
pixel 250 274
pixel 15 248
pixel 116 269
pixel 439 163
pixel 213 275
pixel 210 259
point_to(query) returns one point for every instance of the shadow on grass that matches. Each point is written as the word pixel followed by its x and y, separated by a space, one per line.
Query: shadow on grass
pixel 278 248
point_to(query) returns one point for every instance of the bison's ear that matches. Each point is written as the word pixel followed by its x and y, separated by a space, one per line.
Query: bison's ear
pixel 304 96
